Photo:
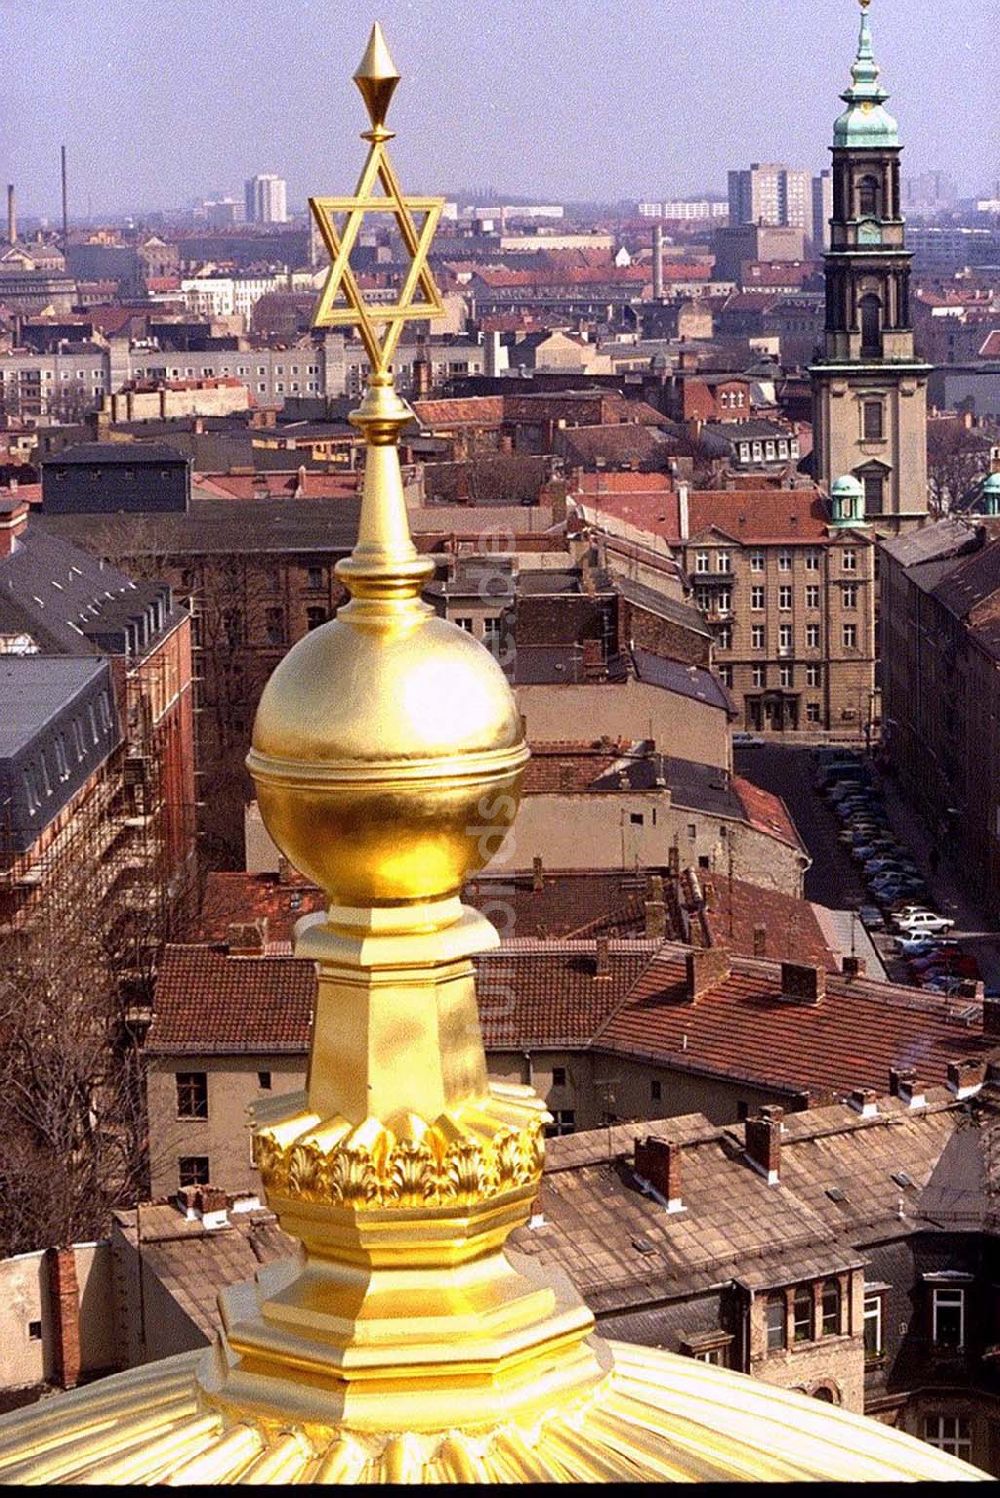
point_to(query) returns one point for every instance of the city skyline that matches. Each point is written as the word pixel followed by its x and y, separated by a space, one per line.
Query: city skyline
pixel 543 120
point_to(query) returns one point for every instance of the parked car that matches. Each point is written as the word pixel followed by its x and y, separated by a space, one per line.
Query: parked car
pixel 838 774
pixel 910 907
pixel 889 863
pixel 923 920
pixel 890 892
pixel 872 918
pixel 840 790
pixel 940 962
pixel 943 983
pixel 920 946
pixel 894 873
pixel 880 848
pixel 962 965
pixel 833 754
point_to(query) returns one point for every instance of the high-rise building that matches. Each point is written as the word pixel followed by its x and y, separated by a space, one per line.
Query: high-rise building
pixel 265 200
pixel 822 209
pixel 869 389
pixel 769 192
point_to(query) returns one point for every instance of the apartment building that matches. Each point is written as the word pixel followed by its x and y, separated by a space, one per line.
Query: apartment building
pixel 792 600
pixel 786 580
pixel 97 794
pixel 939 606
pixel 328 367
pixel 63 384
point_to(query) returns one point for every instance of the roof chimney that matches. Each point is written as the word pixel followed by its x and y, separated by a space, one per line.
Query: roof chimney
pixel 602 958
pixel 802 982
pixel 212 1205
pixel 853 966
pixel 864 1101
pixel 763 1143
pixel 683 513
pixel 593 658
pixel 658 262
pixel 64 1302
pixel 904 1085
pixel 658 1161
pixel 966 1077
pixel 247 938
pixel 13 521
pixel 537 876
pixel 706 968
pixel 655 910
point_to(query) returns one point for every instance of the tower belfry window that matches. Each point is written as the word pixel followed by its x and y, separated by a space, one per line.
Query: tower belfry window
pixel 871 324
pixel 869 196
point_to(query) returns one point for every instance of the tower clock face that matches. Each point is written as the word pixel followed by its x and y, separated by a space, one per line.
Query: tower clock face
pixel 869 231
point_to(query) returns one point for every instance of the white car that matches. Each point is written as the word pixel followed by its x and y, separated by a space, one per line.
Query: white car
pixel 924 920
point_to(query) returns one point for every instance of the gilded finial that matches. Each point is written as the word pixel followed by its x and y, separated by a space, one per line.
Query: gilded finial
pixel 384 563
pixel 377 77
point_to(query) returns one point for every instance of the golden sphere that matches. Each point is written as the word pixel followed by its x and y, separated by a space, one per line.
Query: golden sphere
pixel 387 755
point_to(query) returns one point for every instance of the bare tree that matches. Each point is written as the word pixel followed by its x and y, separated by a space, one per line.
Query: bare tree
pixel 957 458
pixel 72 1116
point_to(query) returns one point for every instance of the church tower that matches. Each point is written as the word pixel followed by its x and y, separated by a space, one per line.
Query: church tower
pixel 869 389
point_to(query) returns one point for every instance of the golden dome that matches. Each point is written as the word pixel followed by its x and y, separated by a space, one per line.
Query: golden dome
pixel 406 1342
pixel 659 1418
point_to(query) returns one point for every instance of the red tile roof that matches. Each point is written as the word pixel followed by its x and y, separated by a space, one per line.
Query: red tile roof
pixel 605 485
pixel 548 993
pixel 570 768
pixel 627 497
pixel 570 903
pixel 760 514
pixel 743 1028
pixel 208 1001
pixel 766 812
pixel 991 345
pixel 791 931
pixel 242 899
pixel 253 486
pixel 477 410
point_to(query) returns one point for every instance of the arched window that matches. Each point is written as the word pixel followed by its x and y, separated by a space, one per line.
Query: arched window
pixel 825 1394
pixel 871 324
pixel 802 1314
pixel 831 1308
pixel 869 194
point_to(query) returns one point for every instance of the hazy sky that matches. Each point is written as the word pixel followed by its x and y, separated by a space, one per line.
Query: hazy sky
pixel 170 100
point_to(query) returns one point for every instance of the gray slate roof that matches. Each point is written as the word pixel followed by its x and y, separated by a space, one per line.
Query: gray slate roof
pixel 53 590
pixel 36 688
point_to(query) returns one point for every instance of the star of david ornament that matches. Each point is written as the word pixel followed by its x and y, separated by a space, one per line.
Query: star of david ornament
pixel 342 301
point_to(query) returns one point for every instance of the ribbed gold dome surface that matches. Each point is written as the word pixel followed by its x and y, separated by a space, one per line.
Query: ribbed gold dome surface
pixel 660 1418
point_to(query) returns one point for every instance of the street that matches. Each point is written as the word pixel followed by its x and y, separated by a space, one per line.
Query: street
pixel 835 880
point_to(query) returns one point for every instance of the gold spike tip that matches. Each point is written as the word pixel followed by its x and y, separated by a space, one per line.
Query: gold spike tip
pixel 376 78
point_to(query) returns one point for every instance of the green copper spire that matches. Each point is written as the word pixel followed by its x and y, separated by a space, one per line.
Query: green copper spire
pixel 865 122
